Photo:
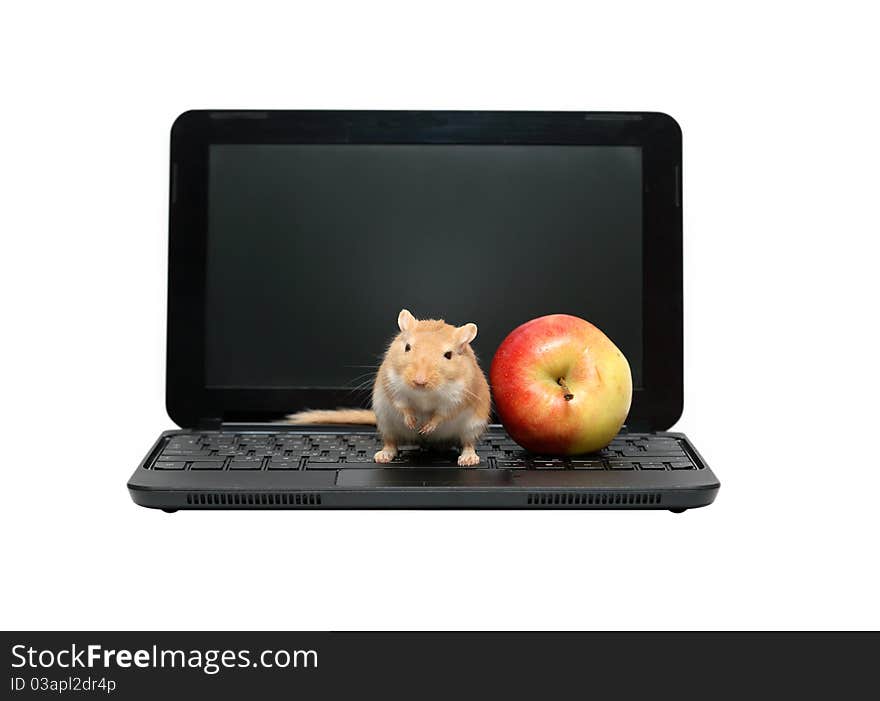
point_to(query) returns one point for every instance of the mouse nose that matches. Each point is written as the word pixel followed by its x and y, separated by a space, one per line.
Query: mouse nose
pixel 420 381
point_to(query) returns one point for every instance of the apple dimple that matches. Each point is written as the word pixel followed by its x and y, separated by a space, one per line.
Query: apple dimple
pixel 567 395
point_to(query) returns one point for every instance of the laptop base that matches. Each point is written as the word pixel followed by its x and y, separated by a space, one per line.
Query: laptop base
pixel 331 468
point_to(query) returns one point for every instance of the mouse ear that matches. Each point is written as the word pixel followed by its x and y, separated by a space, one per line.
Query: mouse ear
pixel 465 334
pixel 405 320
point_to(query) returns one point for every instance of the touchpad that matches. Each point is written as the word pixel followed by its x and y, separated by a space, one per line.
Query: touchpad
pixel 417 477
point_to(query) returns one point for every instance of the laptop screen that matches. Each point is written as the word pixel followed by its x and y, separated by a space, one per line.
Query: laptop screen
pixel 312 250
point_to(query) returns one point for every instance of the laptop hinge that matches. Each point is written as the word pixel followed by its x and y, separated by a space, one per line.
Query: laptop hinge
pixel 211 423
pixel 637 427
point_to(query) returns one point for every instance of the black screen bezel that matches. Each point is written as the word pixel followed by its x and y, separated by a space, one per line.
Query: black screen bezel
pixel 656 405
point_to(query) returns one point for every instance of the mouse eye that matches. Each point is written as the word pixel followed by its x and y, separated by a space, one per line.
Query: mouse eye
pixel 406 348
pixel 448 355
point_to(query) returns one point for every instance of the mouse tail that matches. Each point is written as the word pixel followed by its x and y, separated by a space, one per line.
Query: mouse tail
pixel 333 416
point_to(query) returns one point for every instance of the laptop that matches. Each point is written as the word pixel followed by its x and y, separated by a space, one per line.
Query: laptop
pixel 296 237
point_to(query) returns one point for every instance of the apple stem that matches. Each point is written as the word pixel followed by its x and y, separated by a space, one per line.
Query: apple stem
pixel 568 396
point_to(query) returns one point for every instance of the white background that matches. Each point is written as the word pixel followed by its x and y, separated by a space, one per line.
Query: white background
pixel 778 104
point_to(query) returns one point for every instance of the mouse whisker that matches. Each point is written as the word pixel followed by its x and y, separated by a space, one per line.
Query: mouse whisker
pixel 362 379
pixel 469 393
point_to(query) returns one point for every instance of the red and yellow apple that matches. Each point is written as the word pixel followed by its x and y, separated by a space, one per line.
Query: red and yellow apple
pixel 560 386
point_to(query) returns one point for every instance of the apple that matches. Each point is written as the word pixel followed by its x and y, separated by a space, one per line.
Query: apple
pixel 560 386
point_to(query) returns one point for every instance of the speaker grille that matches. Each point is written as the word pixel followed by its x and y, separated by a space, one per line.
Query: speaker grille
pixel 255 499
pixel 594 499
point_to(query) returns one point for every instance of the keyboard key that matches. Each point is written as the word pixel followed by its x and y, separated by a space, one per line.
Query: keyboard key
pixel 169 466
pixel 182 441
pixel 652 466
pixel 327 441
pixel 588 464
pixel 216 465
pixel 292 445
pixel 294 457
pixel 245 465
pixel 548 464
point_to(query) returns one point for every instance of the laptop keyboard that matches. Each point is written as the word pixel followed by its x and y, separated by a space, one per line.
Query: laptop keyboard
pixel 287 450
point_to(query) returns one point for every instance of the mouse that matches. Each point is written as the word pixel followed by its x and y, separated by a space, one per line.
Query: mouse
pixel 429 390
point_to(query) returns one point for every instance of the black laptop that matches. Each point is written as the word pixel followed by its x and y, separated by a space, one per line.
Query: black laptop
pixel 297 236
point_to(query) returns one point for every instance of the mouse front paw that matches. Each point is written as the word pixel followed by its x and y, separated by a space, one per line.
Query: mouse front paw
pixel 411 421
pixel 429 427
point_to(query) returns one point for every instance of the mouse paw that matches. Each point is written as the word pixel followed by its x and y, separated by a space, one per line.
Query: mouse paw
pixel 468 459
pixel 385 456
pixel 411 421
pixel 429 427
